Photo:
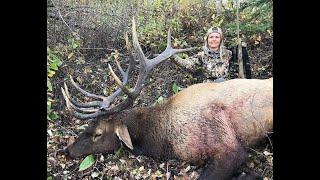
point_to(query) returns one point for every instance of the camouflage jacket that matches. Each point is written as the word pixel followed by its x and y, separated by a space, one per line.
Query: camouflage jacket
pixel 212 66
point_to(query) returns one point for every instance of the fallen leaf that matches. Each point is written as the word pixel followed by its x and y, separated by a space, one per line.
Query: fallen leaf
pixel 267 153
pixel 187 169
pixel 51 160
pixel 101 158
pixel 140 159
pixel 114 168
pixel 70 55
pixel 87 162
pixel 141 168
pixel 82 127
pixel 94 174
pixel 122 161
pixel 158 174
pixel 161 166
pixel 168 174
pixel 251 165
pixel 194 175
pixel 50 133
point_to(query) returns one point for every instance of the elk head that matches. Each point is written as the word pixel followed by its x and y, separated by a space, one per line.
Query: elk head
pixel 100 136
pixel 105 134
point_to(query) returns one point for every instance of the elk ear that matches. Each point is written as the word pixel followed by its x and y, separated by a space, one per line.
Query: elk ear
pixel 123 135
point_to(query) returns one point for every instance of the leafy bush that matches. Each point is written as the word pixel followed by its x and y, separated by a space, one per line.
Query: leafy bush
pixel 53 62
pixel 101 24
pixel 256 19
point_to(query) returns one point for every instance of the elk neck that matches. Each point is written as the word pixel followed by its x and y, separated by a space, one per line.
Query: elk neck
pixel 147 129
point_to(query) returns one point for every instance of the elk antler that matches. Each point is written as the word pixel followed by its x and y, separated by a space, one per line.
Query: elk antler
pixel 89 110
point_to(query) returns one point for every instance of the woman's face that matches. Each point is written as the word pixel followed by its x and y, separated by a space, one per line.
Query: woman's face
pixel 214 40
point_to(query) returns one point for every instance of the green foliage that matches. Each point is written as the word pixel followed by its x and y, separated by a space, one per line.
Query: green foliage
pixel 118 154
pixel 187 19
pixel 72 48
pixel 160 100
pixel 180 43
pixel 51 115
pixel 160 16
pixel 217 20
pixel 250 29
pixel 152 33
pixel 256 19
pixel 73 43
pixel 176 88
pixel 49 85
pixel 53 62
pixel 87 162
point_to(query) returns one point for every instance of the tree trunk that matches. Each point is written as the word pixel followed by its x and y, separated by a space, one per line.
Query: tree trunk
pixel 240 60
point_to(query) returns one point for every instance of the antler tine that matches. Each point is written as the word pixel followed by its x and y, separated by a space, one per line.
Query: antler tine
pixel 144 68
pixel 129 69
pixel 142 58
pixel 84 110
pixel 78 104
pixel 125 77
pixel 93 113
pixel 167 53
pixel 83 91
pixel 119 83
pixel 119 67
pixel 131 56
pixel 72 107
pixel 143 72
pixel 75 110
pixel 146 65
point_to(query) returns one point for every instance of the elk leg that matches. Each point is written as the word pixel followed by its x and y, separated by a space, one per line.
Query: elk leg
pixel 223 165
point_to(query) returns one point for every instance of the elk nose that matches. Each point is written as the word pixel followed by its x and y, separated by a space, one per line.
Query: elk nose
pixel 66 152
pixel 69 153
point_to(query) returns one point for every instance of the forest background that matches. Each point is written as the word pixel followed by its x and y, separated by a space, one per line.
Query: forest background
pixel 84 36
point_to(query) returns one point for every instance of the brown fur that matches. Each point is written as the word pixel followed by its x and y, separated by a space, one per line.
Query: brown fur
pixel 208 122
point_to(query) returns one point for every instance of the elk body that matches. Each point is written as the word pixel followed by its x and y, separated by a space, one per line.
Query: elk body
pixel 205 123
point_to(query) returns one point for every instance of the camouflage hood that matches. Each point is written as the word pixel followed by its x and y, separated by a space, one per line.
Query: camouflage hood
pixel 222 52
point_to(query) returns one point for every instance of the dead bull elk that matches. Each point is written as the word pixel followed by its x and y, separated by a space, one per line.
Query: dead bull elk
pixel 207 122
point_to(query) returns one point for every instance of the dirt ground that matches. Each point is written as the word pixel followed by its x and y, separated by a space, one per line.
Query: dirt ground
pixel 93 76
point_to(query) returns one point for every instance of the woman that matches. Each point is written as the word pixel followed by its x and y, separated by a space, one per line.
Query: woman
pixel 213 61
